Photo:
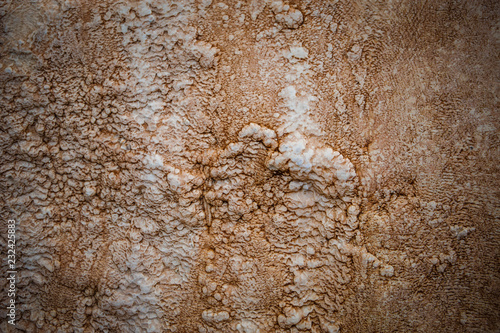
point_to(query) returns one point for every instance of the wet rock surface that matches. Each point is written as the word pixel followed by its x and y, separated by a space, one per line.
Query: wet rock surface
pixel 251 166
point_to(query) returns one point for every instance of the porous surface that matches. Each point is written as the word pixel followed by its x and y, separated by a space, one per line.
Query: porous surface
pixel 252 166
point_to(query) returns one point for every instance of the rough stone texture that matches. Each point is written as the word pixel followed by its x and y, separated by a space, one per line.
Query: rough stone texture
pixel 252 166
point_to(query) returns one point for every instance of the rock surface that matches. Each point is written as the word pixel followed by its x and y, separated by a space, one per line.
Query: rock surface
pixel 252 166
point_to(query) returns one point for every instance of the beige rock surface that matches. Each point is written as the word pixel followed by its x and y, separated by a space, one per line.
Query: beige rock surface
pixel 251 166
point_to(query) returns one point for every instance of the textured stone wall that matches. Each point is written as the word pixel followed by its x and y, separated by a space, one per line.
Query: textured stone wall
pixel 251 166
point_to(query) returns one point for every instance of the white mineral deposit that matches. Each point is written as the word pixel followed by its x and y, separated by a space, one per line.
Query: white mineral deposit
pixel 252 166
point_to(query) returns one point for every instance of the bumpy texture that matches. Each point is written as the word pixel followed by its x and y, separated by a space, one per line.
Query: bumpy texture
pixel 252 166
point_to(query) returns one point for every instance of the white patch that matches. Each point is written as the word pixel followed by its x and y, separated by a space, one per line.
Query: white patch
pixel 153 161
pixel 297 52
pixel 212 316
